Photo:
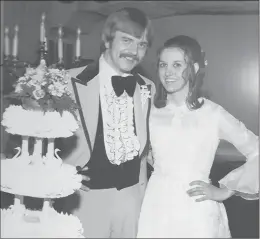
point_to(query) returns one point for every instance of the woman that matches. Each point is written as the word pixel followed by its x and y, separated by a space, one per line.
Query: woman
pixel 185 132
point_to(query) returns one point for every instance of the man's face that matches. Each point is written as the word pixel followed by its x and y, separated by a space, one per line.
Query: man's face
pixel 125 51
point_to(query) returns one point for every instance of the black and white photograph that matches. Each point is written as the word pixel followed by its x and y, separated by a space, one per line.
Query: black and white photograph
pixel 129 119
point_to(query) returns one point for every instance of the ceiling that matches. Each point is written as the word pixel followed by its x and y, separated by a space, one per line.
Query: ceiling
pixel 159 9
pixel 89 14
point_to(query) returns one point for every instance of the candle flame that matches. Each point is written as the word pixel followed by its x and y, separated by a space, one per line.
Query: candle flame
pixel 43 17
pixel 78 31
pixel 6 30
pixel 16 28
pixel 60 31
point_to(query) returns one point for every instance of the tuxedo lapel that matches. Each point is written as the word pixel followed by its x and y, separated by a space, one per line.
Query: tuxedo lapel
pixel 86 88
pixel 89 102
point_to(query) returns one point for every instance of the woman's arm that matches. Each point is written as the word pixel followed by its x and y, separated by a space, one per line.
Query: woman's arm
pixel 244 180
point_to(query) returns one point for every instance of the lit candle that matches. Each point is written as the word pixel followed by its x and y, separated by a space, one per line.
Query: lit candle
pixel 78 43
pixel 15 41
pixel 7 47
pixel 60 45
pixel 42 28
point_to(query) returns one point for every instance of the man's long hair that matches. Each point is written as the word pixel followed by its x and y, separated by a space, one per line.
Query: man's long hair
pixel 128 20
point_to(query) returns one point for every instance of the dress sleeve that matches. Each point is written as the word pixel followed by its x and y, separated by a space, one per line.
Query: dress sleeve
pixel 244 180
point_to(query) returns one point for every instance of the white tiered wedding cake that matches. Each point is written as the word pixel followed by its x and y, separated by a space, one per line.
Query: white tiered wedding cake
pixel 47 111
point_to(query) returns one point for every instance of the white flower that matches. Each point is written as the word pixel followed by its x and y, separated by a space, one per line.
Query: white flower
pixel 67 91
pixel 43 80
pixel 59 86
pixel 51 87
pixel 44 83
pixel 38 94
pixel 54 92
pixel 57 89
pixel 30 83
pixel 66 78
pixel 18 88
pixel 54 71
pixel 34 81
pixel 59 94
pixel 145 94
pixel 22 79
pixel 30 71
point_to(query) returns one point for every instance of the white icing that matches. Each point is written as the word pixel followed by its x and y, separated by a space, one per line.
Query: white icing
pixel 38 176
pixel 18 222
pixel 39 124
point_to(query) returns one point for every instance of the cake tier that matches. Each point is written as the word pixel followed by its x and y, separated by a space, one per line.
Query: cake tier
pixel 18 222
pixel 41 177
pixel 50 124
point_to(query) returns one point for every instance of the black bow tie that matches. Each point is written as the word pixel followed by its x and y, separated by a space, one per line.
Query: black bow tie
pixel 121 84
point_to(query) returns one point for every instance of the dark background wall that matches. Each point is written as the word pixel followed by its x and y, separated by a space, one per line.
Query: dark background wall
pixel 231 46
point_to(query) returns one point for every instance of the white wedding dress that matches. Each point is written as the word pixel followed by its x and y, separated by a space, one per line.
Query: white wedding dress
pixel 184 143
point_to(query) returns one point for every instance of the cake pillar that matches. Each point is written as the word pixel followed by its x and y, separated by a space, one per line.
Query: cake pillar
pixel 18 200
pixel 50 148
pixel 46 209
pixel 37 151
pixel 25 140
pixel 47 206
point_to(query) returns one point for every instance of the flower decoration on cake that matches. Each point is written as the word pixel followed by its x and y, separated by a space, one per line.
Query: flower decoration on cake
pixel 45 88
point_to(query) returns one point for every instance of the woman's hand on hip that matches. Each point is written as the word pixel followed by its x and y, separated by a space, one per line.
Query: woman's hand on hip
pixel 208 192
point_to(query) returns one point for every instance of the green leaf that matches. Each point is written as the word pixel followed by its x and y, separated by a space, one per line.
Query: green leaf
pixel 28 89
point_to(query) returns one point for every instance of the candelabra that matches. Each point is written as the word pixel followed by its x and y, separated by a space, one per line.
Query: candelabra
pixel 13 65
pixel 16 67
pixel 11 62
pixel 77 62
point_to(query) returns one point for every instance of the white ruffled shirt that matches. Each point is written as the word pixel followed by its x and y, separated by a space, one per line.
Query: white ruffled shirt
pixel 120 141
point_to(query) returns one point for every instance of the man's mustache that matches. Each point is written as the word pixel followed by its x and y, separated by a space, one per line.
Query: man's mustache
pixel 136 58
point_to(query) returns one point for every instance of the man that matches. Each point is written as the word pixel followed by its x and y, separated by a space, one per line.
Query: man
pixel 112 143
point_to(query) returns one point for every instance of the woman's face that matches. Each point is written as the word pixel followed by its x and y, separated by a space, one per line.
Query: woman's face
pixel 171 66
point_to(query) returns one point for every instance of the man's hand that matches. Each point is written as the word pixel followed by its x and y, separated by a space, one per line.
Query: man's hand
pixel 209 192
pixel 85 178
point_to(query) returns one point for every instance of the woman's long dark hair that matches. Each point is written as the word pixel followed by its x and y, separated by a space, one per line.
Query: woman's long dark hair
pixel 193 54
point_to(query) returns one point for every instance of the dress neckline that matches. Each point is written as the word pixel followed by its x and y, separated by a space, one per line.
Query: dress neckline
pixel 172 106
